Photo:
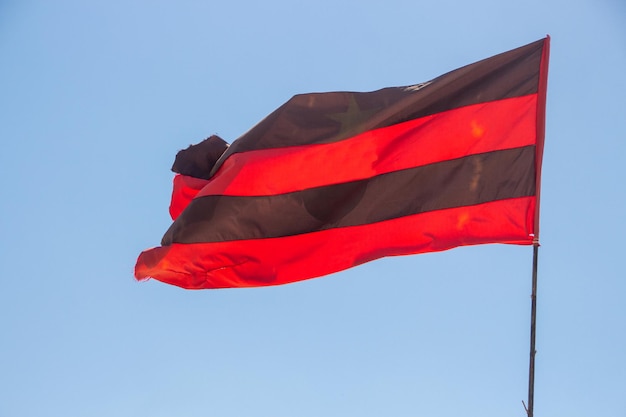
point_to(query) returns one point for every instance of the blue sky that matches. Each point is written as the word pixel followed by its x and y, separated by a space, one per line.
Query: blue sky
pixel 97 98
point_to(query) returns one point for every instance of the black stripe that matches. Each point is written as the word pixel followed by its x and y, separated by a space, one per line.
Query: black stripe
pixel 198 160
pixel 460 182
pixel 317 118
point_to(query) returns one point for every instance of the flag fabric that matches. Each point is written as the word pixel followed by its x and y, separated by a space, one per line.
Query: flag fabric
pixel 329 181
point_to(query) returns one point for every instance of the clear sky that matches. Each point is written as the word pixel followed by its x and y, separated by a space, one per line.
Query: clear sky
pixel 96 98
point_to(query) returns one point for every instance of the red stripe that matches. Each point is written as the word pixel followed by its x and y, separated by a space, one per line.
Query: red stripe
pixel 184 190
pixel 262 262
pixel 496 125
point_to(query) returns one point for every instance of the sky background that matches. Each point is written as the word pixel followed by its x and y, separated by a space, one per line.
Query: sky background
pixel 96 98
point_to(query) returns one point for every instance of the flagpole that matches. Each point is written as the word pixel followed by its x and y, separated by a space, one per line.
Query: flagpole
pixel 533 326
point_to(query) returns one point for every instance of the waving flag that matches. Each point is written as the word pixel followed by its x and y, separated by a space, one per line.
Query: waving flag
pixel 332 180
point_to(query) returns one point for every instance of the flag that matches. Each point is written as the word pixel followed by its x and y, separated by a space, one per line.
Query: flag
pixel 329 181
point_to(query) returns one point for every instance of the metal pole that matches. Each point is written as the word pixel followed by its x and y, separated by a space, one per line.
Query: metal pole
pixel 533 326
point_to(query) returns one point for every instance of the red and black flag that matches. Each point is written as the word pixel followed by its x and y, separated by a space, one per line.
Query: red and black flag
pixel 332 180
